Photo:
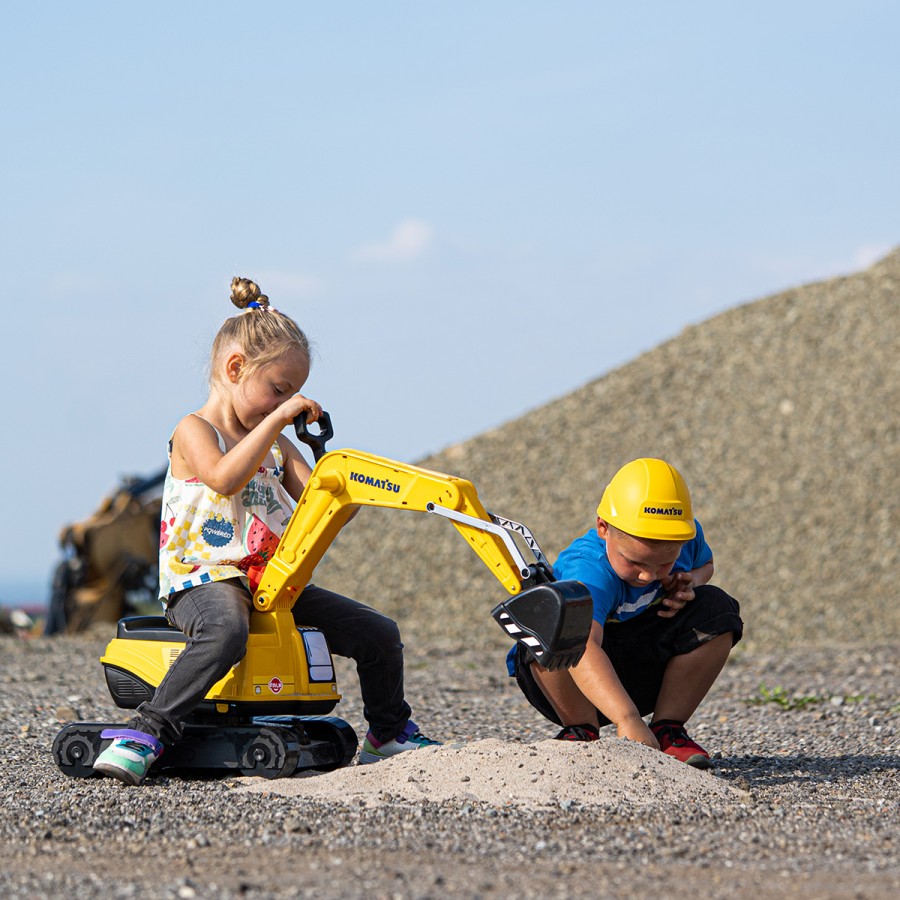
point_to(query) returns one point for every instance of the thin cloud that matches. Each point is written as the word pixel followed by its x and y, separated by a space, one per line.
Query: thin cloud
pixel 408 241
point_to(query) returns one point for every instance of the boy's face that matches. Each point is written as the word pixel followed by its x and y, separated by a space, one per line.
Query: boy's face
pixel 638 562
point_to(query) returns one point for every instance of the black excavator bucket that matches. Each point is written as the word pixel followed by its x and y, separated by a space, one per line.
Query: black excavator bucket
pixel 553 620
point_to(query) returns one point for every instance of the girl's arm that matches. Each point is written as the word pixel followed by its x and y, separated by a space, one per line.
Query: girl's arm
pixel 196 451
pixel 296 469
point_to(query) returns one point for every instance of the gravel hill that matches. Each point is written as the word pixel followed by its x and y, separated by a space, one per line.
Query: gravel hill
pixel 784 416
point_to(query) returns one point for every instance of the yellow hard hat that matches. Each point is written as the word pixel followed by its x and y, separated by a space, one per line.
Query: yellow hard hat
pixel 648 498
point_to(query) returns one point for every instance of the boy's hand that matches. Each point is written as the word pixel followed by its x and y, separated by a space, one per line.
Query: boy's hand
pixel 679 589
pixel 635 729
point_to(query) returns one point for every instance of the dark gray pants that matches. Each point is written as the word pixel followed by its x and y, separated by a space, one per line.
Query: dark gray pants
pixel 216 619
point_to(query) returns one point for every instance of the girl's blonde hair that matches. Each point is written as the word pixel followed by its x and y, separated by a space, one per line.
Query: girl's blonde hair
pixel 261 333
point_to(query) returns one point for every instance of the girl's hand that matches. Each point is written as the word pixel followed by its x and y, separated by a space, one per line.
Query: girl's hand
pixel 679 589
pixel 292 407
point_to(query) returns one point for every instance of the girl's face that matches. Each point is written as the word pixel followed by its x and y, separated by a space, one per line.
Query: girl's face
pixel 636 562
pixel 263 390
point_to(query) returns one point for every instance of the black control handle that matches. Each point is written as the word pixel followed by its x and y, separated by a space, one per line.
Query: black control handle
pixel 316 442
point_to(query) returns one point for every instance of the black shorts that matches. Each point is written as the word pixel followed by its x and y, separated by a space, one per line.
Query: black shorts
pixel 640 648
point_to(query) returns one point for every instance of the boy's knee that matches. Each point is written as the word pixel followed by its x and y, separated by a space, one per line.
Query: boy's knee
pixel 716 612
pixel 716 599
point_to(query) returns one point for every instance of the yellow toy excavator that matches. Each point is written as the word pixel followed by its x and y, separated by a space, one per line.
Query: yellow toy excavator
pixel 269 715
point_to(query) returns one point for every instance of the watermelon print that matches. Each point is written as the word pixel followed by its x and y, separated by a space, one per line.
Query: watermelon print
pixel 259 540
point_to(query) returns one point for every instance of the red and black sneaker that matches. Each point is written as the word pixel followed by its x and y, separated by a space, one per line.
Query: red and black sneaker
pixel 578 733
pixel 674 740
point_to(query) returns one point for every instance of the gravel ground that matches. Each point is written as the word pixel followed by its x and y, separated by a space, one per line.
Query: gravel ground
pixel 808 742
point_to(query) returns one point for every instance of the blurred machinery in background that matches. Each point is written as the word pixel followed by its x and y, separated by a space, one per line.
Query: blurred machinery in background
pixel 110 564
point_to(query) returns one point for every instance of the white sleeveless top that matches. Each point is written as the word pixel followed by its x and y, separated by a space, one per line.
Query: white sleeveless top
pixel 205 536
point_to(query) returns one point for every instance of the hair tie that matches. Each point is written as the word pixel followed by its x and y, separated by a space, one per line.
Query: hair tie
pixel 253 305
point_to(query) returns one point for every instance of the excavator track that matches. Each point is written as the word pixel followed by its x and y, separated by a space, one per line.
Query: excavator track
pixel 266 746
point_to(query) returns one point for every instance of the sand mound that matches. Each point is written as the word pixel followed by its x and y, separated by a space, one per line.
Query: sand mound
pixel 544 774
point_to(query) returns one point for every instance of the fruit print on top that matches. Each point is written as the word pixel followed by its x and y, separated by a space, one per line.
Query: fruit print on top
pixel 206 536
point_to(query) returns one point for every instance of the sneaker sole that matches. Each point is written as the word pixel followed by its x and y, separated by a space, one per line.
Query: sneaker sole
pixel 366 758
pixel 126 776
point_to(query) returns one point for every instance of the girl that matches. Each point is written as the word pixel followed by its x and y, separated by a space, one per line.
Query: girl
pixel 230 466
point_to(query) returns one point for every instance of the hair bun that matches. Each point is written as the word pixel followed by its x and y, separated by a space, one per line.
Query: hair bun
pixel 244 292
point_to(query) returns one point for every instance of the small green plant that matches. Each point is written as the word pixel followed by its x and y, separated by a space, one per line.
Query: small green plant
pixel 780 697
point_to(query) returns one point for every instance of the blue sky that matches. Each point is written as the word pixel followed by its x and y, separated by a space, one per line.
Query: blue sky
pixel 472 208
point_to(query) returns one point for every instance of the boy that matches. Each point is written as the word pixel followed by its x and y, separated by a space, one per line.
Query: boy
pixel 661 633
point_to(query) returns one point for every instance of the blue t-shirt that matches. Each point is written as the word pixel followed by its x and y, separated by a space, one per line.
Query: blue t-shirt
pixel 615 600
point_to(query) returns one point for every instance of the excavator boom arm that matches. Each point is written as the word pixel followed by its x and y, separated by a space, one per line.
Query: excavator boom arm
pixel 551 618
pixel 345 480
